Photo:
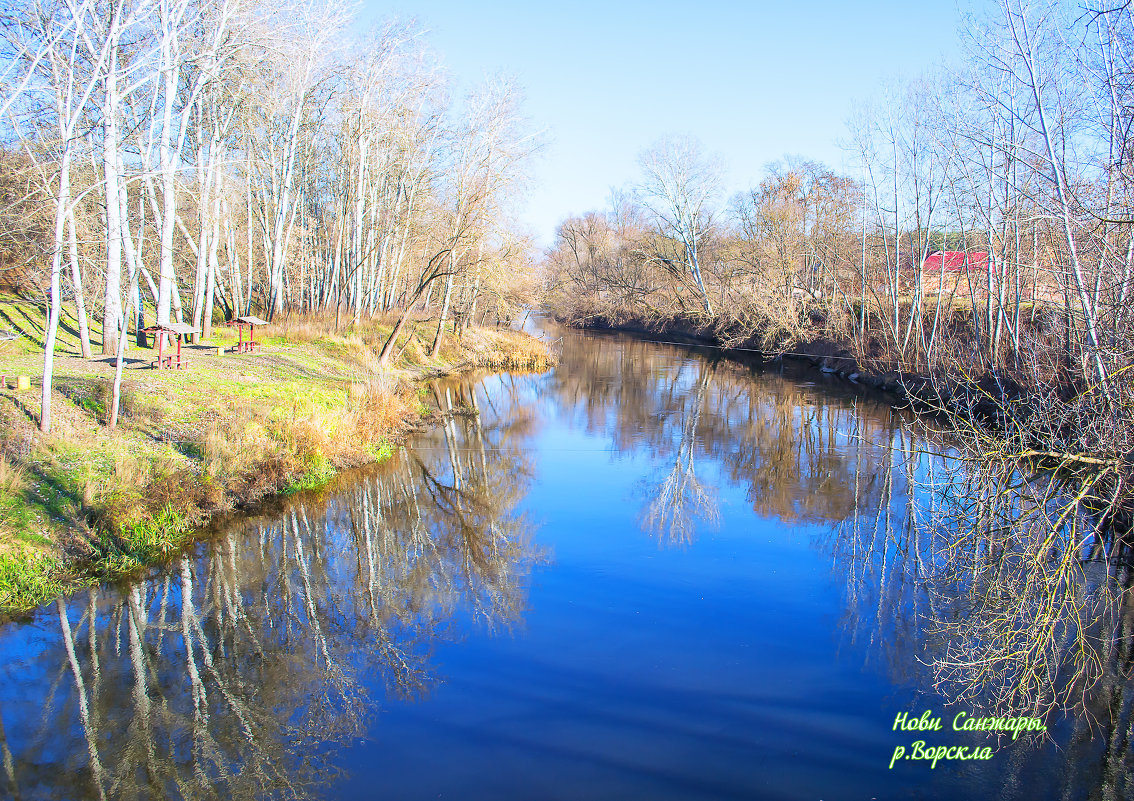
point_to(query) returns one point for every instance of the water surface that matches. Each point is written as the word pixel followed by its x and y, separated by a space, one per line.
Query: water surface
pixel 650 573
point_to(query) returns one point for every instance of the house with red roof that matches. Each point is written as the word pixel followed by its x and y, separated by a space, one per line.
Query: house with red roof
pixel 952 271
pixel 956 273
pixel 955 261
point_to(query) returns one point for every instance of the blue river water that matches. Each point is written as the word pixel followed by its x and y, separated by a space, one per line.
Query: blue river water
pixel 650 573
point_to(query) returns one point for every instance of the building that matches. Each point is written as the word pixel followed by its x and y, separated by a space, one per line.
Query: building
pixel 956 274
pixel 949 272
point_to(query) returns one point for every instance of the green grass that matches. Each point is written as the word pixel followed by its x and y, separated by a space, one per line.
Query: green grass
pixel 89 504
pixel 28 580
pixel 18 517
pixel 27 319
pixel 317 475
pixel 380 452
pixel 142 543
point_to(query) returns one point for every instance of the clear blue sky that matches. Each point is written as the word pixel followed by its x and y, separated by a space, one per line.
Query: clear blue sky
pixel 753 81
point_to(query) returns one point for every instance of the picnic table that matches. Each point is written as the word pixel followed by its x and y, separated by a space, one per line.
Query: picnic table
pixel 251 346
pixel 171 361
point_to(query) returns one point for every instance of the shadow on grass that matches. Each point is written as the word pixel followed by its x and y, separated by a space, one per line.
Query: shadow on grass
pixel 19 318
pixel 61 503
pixel 22 324
pixel 17 401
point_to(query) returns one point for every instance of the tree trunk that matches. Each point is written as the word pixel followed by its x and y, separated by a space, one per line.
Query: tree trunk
pixel 52 325
pixel 441 320
pixel 77 283
pixel 211 280
pixel 111 303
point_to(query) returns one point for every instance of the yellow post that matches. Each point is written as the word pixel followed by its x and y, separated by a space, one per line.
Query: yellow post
pixel 22 382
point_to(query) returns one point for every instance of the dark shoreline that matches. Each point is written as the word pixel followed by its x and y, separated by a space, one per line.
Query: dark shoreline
pixel 822 354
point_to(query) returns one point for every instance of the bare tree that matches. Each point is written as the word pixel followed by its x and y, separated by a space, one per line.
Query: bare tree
pixel 679 185
pixel 69 80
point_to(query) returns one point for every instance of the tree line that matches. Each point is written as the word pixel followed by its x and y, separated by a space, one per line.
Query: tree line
pixel 1018 165
pixel 197 158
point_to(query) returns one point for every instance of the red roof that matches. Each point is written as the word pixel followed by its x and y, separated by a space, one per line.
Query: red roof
pixel 953 261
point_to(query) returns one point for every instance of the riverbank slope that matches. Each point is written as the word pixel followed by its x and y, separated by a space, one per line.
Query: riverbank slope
pixel 87 503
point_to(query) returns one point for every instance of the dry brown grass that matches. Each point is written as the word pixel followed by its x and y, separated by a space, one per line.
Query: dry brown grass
pixel 233 446
pixel 12 477
pixel 508 350
pixel 378 409
pixel 317 326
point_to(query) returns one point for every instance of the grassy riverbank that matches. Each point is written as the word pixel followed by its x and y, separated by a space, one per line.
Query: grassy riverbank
pixel 86 503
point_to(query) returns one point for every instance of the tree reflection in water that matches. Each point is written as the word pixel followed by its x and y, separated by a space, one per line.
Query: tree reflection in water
pixel 997 587
pixel 792 447
pixel 1002 582
pixel 238 674
pixel 990 584
pixel 680 498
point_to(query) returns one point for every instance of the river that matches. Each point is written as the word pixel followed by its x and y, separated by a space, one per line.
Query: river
pixel 651 573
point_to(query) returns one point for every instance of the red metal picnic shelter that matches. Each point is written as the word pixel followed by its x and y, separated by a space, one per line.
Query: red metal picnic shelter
pixel 251 346
pixel 172 361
